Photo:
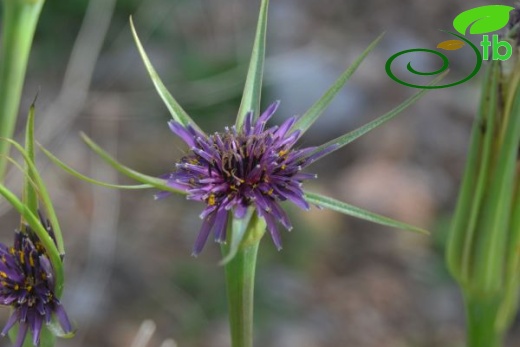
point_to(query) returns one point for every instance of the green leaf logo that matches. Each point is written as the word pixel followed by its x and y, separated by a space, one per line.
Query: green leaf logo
pixel 483 19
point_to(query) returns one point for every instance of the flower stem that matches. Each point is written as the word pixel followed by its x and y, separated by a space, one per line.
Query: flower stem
pixel 20 19
pixel 240 282
pixel 481 323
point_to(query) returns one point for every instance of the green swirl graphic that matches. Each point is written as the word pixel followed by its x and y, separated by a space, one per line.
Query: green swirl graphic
pixel 444 67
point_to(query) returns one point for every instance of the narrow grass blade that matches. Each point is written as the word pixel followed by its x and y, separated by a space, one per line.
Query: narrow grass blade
pixel 305 121
pixel 253 87
pixel 357 212
pixel 344 140
pixel 177 112
pixel 79 175
pixel 139 177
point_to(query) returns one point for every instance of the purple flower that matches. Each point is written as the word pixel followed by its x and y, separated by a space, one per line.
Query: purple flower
pixel 27 285
pixel 251 166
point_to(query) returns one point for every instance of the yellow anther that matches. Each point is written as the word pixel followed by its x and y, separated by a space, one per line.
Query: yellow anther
pixel 211 200
pixel 282 152
pixel 270 191
pixel 3 274
pixel 283 167
pixel 31 260
pixel 22 257
pixel 16 287
pixel 193 161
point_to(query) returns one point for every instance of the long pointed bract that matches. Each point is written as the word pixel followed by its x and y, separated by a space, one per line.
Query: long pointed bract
pixel 342 207
pixel 253 87
pixel 344 140
pixel 317 109
pixel 173 106
pixel 139 177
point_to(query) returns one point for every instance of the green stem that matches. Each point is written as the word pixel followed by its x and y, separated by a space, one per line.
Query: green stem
pixel 481 314
pixel 240 281
pixel 20 19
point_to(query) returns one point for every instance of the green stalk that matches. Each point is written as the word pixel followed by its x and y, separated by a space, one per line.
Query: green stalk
pixel 240 251
pixel 481 318
pixel 19 23
pixel 240 283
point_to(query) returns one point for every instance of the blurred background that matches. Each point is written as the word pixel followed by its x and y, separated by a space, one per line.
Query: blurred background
pixel 338 281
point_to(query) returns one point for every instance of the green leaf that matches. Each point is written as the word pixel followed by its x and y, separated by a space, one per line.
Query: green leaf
pixel 253 87
pixel 79 175
pixel 139 177
pixel 461 242
pixel 499 198
pixel 30 196
pixel 177 112
pixel 509 307
pixel 305 121
pixel 353 135
pixel 483 19
pixel 357 212
pixel 19 21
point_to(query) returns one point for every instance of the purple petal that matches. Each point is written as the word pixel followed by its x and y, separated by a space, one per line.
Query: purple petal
pixel 320 154
pixel 221 221
pixel 268 113
pixel 63 319
pixel 248 123
pixel 301 176
pixel 10 322
pixel 294 196
pixel 161 195
pixel 273 230
pixel 281 215
pixel 22 332
pixel 36 328
pixel 240 211
pixel 182 132
pixel 203 234
pixel 285 127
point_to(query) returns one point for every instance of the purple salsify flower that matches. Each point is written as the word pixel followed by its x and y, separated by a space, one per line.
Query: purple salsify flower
pixel 251 166
pixel 27 285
